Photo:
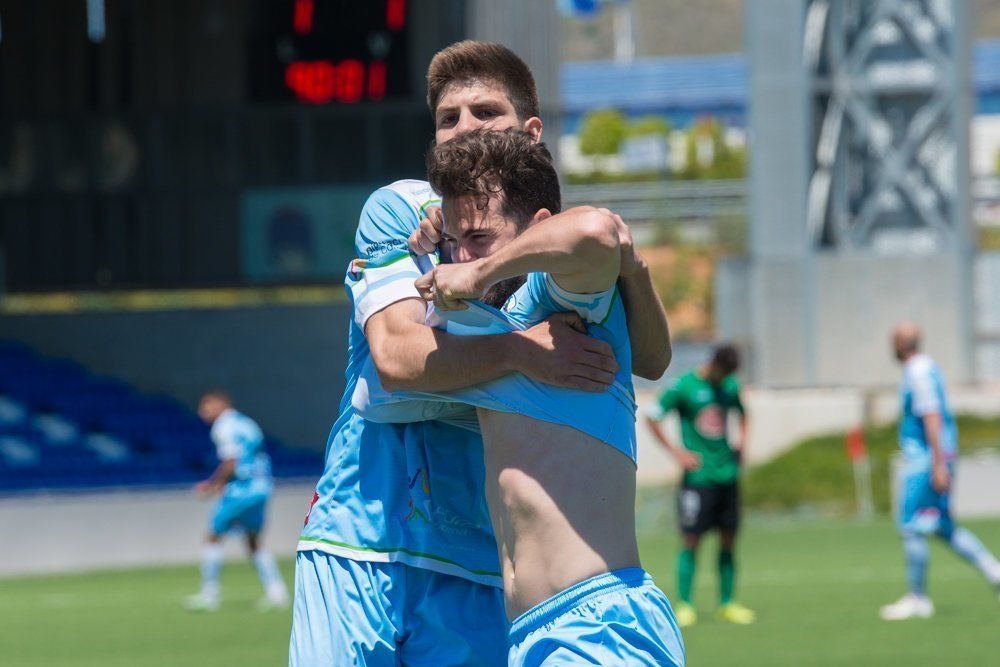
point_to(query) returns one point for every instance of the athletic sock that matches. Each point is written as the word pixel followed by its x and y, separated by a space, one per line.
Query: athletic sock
pixel 685 573
pixel 211 567
pixel 968 546
pixel 267 570
pixel 727 576
pixel 917 554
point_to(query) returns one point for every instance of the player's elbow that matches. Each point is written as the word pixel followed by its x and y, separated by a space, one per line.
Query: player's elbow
pixel 392 371
pixel 653 366
pixel 597 241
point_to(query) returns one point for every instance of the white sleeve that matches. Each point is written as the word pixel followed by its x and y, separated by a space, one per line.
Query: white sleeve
pixel 924 390
pixel 591 307
pixel 373 288
pixel 226 445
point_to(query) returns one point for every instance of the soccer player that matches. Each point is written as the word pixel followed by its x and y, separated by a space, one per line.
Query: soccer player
pixel 928 438
pixel 397 561
pixel 560 464
pixel 709 497
pixel 243 483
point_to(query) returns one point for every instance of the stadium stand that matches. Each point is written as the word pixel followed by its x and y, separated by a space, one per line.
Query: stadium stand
pixel 62 427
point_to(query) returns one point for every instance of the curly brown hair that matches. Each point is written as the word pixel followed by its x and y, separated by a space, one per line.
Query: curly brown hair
pixel 472 61
pixel 509 164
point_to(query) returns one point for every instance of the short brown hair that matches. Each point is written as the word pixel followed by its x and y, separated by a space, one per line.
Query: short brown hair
pixel 485 162
pixel 486 62
pixel 726 358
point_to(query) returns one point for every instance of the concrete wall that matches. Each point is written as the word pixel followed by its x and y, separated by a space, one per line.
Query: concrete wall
pixel 102 530
pixel 284 365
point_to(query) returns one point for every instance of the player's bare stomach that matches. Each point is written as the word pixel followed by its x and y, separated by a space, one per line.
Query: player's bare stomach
pixel 562 505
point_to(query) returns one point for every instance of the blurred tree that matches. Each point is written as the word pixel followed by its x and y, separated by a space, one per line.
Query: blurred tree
pixel 602 132
pixel 649 125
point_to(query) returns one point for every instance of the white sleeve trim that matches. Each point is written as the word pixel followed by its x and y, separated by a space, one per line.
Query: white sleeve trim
pixel 592 307
pixel 375 288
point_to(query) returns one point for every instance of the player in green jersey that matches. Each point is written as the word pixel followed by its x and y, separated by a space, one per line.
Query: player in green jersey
pixel 709 497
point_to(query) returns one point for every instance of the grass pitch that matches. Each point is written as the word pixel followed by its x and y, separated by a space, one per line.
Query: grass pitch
pixel 816 586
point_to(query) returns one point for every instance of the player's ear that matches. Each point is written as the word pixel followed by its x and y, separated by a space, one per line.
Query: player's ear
pixel 533 126
pixel 541 214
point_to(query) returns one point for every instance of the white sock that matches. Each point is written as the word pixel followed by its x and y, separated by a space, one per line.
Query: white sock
pixel 211 567
pixel 270 577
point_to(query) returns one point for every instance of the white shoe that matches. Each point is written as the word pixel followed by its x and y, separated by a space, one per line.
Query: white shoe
pixel 201 602
pixel 908 606
pixel 275 599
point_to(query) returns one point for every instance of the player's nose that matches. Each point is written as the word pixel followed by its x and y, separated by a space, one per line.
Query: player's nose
pixel 467 122
pixel 464 254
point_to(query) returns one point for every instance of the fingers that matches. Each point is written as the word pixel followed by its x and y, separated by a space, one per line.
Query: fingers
pixel 585 384
pixel 573 320
pixel 425 286
pixel 425 240
pixel 605 363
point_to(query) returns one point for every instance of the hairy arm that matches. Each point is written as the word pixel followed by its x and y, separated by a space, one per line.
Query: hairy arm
pixel 410 355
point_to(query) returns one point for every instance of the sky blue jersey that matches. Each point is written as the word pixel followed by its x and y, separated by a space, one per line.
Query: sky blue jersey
pixel 922 392
pixel 410 493
pixel 238 437
pixel 607 416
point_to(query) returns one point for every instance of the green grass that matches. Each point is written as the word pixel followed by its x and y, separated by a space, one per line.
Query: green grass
pixel 816 586
pixel 817 474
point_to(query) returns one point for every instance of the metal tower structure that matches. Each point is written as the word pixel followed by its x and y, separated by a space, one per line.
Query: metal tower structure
pixel 859 187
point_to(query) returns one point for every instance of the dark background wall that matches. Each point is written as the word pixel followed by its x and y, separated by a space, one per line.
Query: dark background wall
pixel 284 365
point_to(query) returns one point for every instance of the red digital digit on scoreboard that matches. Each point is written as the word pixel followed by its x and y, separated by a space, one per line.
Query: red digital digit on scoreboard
pixel 350 79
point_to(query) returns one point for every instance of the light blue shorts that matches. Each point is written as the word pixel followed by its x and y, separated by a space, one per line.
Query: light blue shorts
pixel 245 512
pixel 616 619
pixel 351 612
pixel 921 508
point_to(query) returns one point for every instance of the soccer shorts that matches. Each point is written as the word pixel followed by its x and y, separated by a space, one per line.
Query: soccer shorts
pixel 246 512
pixel 618 619
pixel 351 612
pixel 921 508
pixel 702 508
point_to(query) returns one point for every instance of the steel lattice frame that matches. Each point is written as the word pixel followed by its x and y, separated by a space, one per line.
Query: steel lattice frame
pixel 884 90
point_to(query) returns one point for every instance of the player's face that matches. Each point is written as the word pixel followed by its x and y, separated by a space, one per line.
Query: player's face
pixel 473 231
pixel 463 108
pixel 210 408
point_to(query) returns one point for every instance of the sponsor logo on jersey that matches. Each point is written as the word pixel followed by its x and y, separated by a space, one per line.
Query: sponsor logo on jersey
pixel 711 422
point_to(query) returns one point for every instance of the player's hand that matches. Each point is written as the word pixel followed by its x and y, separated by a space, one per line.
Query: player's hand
pixel 940 477
pixel 204 489
pixel 689 460
pixel 426 239
pixel 559 352
pixel 447 285
pixel 631 260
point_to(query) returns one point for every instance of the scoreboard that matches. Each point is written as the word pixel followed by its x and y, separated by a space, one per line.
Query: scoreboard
pixel 322 52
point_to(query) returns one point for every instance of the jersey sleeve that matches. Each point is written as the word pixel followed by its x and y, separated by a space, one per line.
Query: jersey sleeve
pixel 227 445
pixel 925 398
pixel 385 270
pixel 733 388
pixel 591 307
pixel 669 401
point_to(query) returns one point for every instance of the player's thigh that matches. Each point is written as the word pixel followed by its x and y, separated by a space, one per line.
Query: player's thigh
pixel 727 508
pixel 342 612
pixel 452 621
pixel 693 509
pixel 251 516
pixel 224 515
pixel 920 506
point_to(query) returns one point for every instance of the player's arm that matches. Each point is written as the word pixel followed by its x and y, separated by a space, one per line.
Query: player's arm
pixel 221 476
pixel 741 449
pixel 927 405
pixel 940 475
pixel 648 332
pixel 668 403
pixel 409 355
pixel 578 248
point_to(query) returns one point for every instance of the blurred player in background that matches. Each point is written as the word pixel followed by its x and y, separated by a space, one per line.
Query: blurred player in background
pixel 397 560
pixel 243 483
pixel 709 497
pixel 928 438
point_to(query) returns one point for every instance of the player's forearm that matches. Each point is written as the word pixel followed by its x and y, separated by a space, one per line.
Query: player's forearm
pixel 932 430
pixel 415 357
pixel 660 436
pixel 222 474
pixel 578 247
pixel 649 334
